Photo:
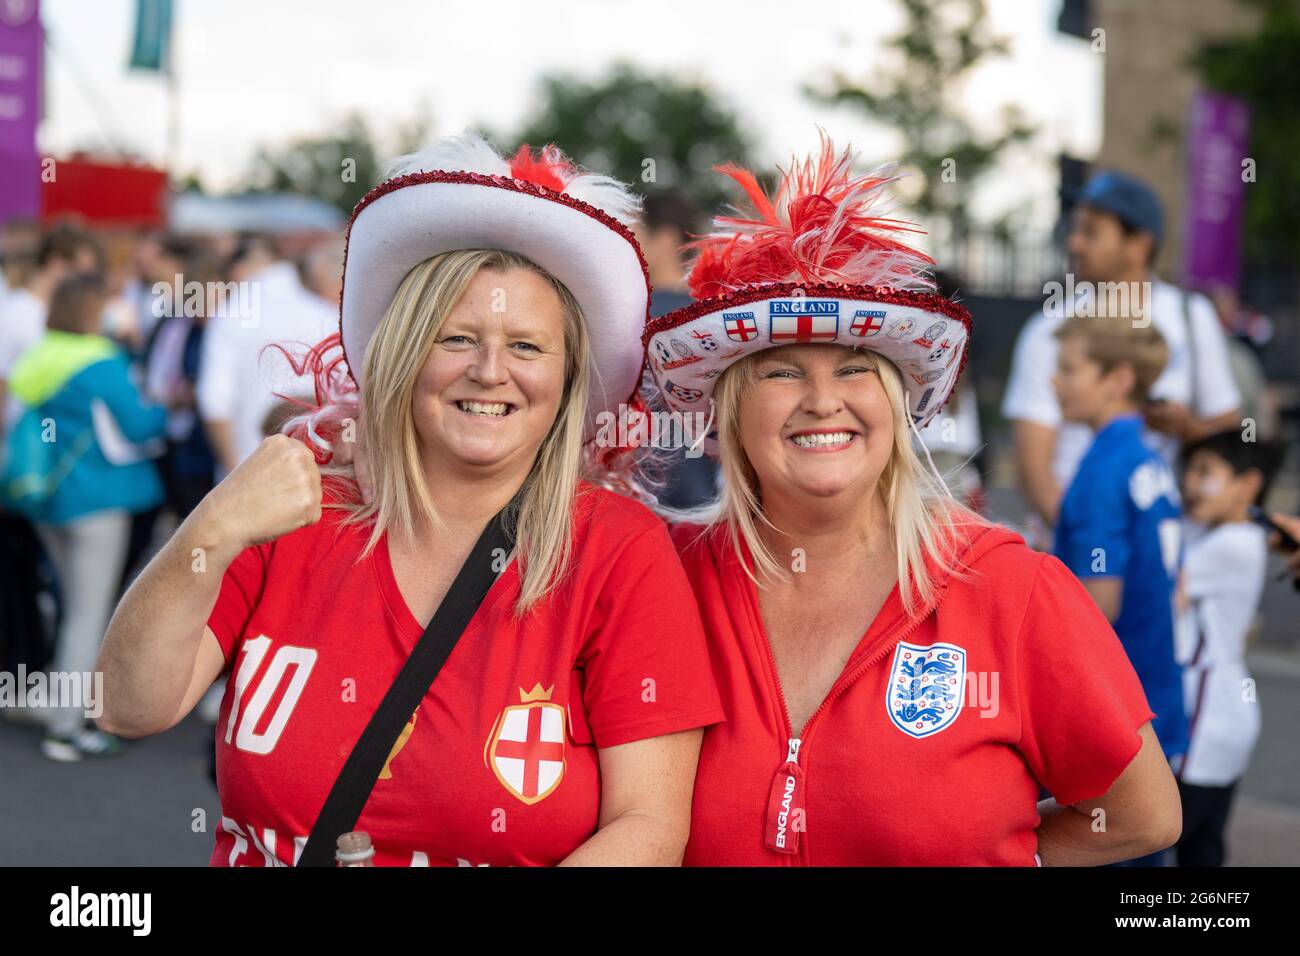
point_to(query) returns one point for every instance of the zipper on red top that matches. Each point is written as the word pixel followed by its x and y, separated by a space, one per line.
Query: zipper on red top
pixel 785 803
pixel 786 808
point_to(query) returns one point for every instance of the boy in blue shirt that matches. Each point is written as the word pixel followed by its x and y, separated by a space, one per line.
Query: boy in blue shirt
pixel 1118 529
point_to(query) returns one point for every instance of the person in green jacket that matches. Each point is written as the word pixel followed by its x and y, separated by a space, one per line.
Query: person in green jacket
pixel 80 381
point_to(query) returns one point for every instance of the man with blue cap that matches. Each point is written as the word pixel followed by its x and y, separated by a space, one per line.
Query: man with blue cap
pixel 1116 229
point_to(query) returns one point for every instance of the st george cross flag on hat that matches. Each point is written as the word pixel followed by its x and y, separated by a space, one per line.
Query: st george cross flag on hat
pixel 818 262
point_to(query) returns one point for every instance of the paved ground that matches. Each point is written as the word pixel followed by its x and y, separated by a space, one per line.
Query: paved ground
pixel 151 806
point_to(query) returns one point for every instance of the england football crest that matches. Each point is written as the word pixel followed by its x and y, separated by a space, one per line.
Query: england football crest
pixel 926 687
pixel 740 326
pixel 867 322
pixel 526 746
pixel 803 320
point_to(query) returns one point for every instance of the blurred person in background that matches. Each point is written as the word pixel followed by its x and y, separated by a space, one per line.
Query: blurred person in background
pixel 1291 525
pixel 1240 326
pixel 240 377
pixel 82 381
pixel 954 442
pixel 953 437
pixel 19 239
pixel 669 221
pixel 63 251
pixel 22 639
pixel 172 356
pixel 1118 527
pixel 153 262
pixel 1115 233
pixel 121 321
pixel 322 271
pixel 1224 569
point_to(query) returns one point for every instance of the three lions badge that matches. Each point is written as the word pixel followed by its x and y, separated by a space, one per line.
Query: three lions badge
pixel 926 687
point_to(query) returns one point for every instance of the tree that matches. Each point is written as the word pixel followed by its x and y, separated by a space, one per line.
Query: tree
pixel 656 132
pixel 338 167
pixel 940 43
pixel 1261 69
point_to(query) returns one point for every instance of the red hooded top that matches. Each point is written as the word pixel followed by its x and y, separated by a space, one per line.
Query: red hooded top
pixel 931 746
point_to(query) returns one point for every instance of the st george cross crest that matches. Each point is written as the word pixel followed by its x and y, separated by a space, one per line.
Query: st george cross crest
pixel 740 326
pixel 526 746
pixel 926 687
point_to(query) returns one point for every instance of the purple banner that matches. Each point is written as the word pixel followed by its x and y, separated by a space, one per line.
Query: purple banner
pixel 1216 190
pixel 21 55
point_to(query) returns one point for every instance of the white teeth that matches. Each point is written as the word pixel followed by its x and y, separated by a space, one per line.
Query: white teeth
pixel 481 408
pixel 823 438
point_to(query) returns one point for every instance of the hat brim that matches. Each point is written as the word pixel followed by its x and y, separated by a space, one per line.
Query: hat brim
pixel 409 219
pixel 926 335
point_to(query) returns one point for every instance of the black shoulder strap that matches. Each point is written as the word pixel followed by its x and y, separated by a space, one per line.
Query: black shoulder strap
pixel 352 789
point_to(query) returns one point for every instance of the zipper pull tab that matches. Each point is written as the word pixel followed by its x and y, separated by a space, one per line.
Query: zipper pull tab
pixel 785 811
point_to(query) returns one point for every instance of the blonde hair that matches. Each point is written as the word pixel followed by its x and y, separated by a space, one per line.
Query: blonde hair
pixel 924 517
pixel 393 361
pixel 1111 342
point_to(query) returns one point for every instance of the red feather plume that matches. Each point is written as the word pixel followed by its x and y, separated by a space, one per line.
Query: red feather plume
pixel 822 226
pixel 547 167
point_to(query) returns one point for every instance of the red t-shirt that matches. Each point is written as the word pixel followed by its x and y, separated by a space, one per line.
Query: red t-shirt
pixel 499 762
pixel 930 747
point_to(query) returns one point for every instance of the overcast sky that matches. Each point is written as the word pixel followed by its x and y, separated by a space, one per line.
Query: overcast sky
pixel 254 72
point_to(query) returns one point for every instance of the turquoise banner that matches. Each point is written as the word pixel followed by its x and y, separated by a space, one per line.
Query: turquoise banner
pixel 153 29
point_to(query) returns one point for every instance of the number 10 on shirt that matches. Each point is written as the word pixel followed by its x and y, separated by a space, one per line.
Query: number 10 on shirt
pixel 245 717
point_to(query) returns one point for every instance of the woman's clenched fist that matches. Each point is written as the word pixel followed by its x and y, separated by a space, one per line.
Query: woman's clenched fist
pixel 272 492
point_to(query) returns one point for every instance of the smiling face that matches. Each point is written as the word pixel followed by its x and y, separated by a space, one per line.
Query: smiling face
pixel 1213 492
pixel 815 420
pixel 493 381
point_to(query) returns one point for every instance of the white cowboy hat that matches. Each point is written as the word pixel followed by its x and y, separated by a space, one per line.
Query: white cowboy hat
pixel 461 194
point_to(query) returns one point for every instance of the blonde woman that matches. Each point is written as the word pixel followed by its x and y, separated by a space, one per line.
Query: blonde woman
pixel 900 677
pixel 490 311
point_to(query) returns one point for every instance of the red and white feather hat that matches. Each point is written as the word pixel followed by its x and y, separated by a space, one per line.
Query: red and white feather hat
pixel 817 262
pixel 460 193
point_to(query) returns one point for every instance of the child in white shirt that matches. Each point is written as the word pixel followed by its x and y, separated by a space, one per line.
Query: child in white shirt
pixel 1222 580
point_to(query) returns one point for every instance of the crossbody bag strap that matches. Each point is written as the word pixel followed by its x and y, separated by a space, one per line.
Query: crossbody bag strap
pixel 348 796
